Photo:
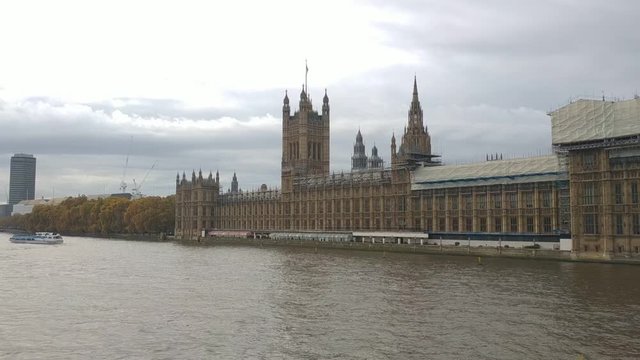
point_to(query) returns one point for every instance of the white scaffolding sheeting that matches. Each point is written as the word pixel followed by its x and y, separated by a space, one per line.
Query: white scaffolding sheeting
pixel 587 120
pixel 539 165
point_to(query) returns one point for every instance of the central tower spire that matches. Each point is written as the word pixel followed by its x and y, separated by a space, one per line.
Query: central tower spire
pixel 415 140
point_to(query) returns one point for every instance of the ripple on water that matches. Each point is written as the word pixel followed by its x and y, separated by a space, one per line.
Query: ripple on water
pixel 104 299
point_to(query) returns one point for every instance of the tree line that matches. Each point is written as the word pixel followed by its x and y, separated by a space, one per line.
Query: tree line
pixel 113 215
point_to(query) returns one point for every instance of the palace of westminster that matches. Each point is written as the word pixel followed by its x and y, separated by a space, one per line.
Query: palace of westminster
pixel 588 189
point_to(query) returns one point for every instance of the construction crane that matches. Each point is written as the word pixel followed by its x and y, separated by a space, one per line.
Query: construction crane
pixel 123 185
pixel 136 190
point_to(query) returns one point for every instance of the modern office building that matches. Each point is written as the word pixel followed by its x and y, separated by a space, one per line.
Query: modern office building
pixel 22 181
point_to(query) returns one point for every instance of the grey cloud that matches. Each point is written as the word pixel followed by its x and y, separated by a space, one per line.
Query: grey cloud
pixel 487 73
pixel 523 53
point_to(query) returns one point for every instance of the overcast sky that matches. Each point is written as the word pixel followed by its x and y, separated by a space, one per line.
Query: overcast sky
pixel 199 84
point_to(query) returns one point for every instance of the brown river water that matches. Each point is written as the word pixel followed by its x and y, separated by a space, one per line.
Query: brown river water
pixel 108 299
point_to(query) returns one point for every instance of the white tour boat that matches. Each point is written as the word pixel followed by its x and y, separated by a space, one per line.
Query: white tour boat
pixel 48 238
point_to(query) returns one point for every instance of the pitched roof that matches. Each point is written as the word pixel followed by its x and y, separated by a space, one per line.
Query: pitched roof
pixel 540 168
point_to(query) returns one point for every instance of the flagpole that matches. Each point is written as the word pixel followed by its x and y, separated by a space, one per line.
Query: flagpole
pixel 306 67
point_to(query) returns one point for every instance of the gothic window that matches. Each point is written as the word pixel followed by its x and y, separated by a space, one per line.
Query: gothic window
pixel 468 202
pixel 546 224
pixel 497 201
pixel 513 222
pixel 426 224
pixel 497 224
pixel 590 223
pixel 546 199
pixel 618 224
pixel 530 224
pixel 589 196
pixel 468 224
pixel 483 224
pixel 528 199
pixel 634 192
pixel 636 224
pixel 589 161
pixel 454 202
pixel 617 193
pixel 482 201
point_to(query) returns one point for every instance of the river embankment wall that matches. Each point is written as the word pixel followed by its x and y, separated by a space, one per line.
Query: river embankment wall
pixel 514 253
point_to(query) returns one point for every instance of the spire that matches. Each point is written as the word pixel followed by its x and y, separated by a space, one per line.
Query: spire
pixel 415 102
pixel 217 177
pixel 359 158
pixel 375 161
pixel 286 98
pixel 325 104
pixel 234 183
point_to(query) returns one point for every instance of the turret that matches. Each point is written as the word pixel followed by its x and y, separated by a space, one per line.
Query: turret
pixel 359 158
pixel 286 110
pixel 303 98
pixel 393 144
pixel 375 161
pixel 217 177
pixel 177 178
pixel 325 103
pixel 234 183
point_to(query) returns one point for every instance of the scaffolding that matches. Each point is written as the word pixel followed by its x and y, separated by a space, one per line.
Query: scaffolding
pixel 588 120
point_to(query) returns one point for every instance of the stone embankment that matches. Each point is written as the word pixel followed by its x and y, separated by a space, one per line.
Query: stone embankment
pixel 516 253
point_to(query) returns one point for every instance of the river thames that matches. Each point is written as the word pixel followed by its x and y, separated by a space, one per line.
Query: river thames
pixel 110 299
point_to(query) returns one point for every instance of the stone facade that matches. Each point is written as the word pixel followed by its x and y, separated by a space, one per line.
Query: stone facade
pixel 310 198
pixel 589 189
pixel 532 200
pixel 601 141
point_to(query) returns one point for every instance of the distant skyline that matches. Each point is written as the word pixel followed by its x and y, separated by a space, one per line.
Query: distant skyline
pixel 196 84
